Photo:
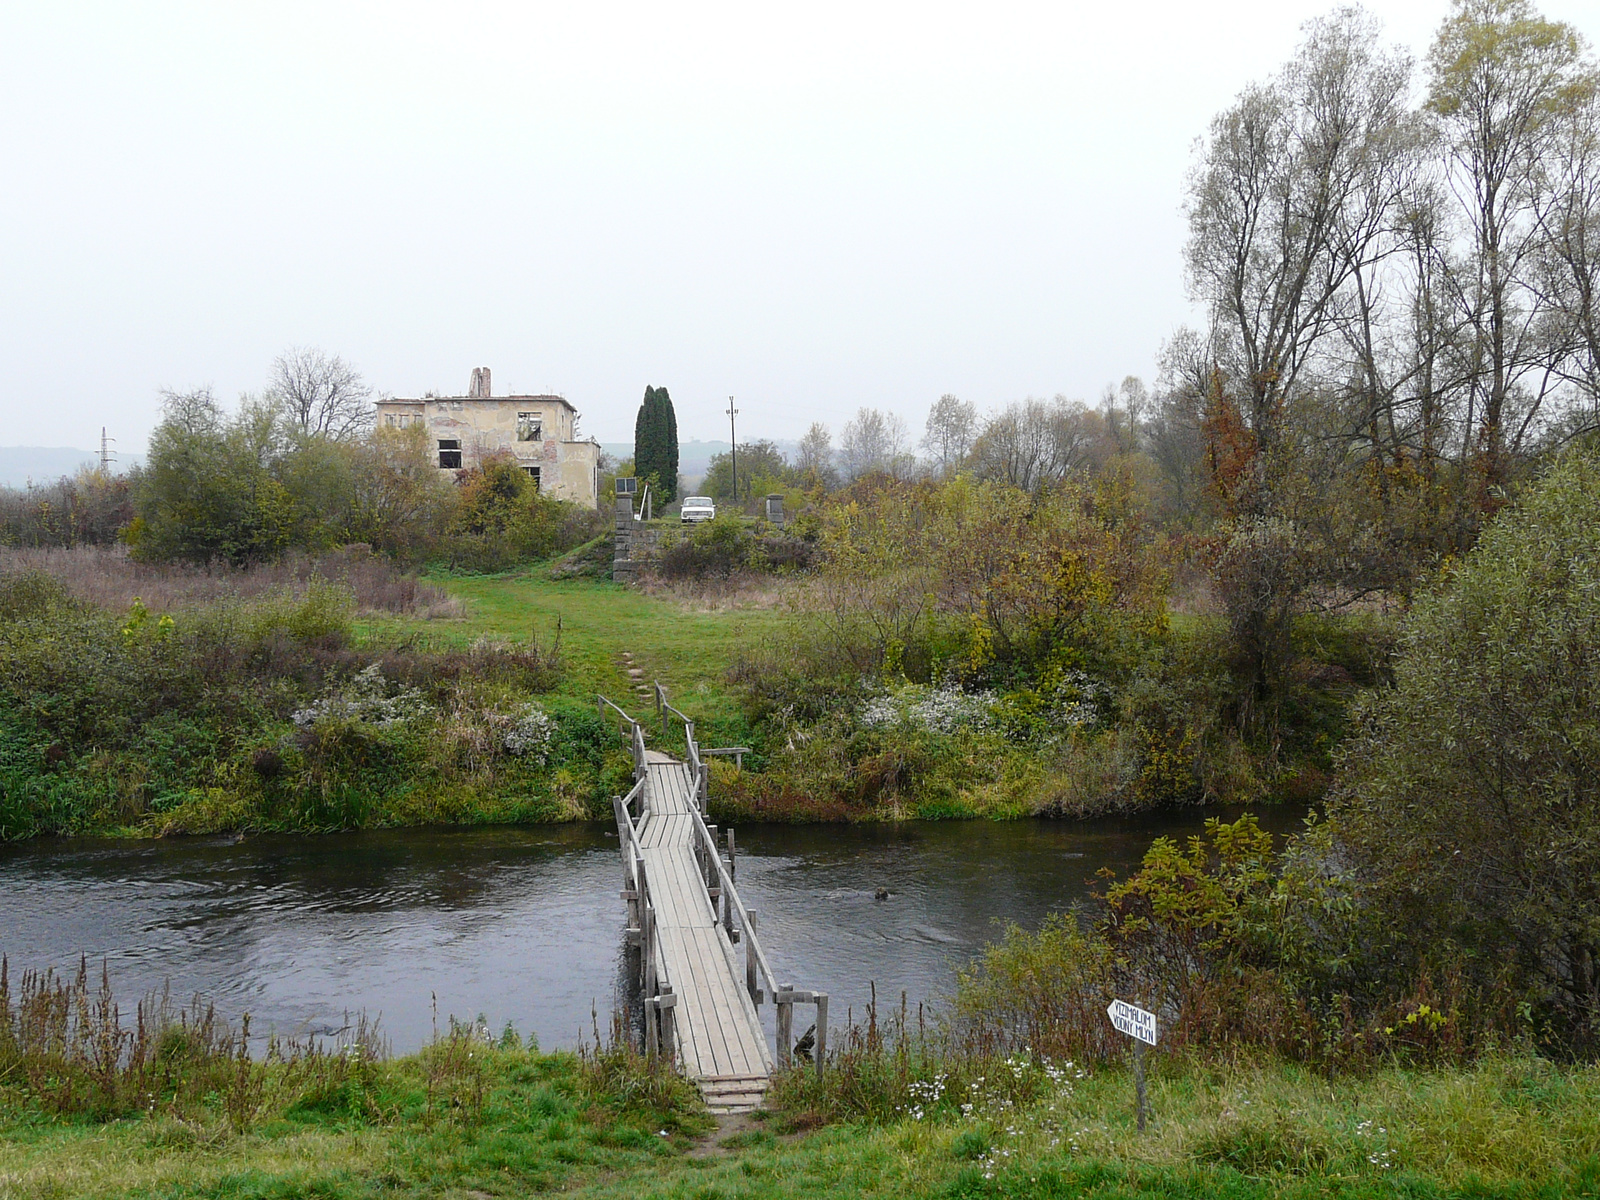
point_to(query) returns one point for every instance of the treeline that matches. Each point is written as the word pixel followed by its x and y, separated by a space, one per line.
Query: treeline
pixel 1403 325
pixel 298 468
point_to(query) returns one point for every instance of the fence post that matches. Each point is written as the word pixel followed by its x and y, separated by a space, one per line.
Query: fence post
pixel 786 1028
pixel 822 1030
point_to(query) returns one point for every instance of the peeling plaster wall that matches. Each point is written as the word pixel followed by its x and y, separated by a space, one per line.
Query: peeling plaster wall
pixel 485 426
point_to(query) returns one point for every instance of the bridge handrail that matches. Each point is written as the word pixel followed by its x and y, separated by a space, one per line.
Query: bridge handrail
pixel 635 733
pixel 633 860
pixel 663 706
pixel 736 903
pixel 757 964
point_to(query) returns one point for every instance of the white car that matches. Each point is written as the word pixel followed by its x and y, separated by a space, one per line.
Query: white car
pixel 697 508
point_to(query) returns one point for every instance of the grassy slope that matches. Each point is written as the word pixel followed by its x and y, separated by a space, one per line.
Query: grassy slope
pixel 687 650
pixel 1504 1128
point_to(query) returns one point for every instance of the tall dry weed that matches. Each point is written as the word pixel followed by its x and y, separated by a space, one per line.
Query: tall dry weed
pixel 106 576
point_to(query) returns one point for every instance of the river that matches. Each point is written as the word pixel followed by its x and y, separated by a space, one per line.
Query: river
pixel 525 924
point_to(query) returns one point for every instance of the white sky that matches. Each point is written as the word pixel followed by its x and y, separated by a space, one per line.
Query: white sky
pixel 811 207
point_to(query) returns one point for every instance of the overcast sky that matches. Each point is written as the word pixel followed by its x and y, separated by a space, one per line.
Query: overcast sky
pixel 811 207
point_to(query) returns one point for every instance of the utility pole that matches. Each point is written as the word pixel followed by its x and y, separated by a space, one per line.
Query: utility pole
pixel 105 450
pixel 733 449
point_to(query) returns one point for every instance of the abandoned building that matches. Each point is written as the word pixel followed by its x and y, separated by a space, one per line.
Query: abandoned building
pixel 540 432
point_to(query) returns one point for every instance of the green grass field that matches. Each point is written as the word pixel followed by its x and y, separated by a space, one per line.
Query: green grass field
pixel 688 649
pixel 1505 1128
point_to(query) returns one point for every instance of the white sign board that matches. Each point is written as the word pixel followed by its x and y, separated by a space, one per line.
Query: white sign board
pixel 1134 1022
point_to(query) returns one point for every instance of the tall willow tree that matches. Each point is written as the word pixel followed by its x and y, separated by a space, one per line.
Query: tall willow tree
pixel 1469 795
pixel 655 443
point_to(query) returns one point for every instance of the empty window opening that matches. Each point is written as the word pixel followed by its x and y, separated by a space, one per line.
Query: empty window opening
pixel 530 426
pixel 533 474
pixel 450 453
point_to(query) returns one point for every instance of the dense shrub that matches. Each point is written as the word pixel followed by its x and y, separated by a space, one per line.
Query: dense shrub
pixel 1469 794
pixel 90 508
pixel 503 520
pixel 728 546
pixel 266 714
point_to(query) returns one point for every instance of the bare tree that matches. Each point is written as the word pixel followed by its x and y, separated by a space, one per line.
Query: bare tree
pixel 949 431
pixel 194 411
pixel 1570 274
pixel 1275 235
pixel 814 461
pixel 874 441
pixel 1501 79
pixel 321 395
pixel 1034 443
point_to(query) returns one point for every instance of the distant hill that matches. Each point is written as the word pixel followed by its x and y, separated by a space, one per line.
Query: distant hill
pixel 20 465
pixel 694 458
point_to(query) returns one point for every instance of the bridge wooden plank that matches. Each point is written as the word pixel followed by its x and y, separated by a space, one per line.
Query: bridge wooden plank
pixel 711 970
pixel 695 1044
pixel 721 1049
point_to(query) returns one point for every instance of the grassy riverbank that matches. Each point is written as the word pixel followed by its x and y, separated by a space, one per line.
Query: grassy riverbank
pixel 309 707
pixel 529 1122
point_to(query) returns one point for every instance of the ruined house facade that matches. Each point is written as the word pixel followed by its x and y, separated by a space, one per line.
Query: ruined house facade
pixel 540 432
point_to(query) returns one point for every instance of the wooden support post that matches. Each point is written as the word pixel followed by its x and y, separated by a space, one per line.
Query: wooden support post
pixel 733 861
pixel 750 958
pixel 667 1003
pixel 1138 1081
pixel 652 1025
pixel 786 1029
pixel 822 1030
pixel 650 950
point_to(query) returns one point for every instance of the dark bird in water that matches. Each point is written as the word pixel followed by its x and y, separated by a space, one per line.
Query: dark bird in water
pixel 881 894
pixel 806 1044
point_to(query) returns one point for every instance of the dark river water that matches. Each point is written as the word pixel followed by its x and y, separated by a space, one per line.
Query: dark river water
pixel 526 924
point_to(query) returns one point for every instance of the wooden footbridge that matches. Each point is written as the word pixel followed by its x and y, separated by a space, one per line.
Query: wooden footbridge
pixel 703 972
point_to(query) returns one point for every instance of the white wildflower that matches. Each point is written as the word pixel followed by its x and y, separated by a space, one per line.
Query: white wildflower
pixel 365 697
pixel 529 733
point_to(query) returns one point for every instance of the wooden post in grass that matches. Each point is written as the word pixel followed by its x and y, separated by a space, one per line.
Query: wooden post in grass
pixel 1141 1027
pixel 822 1031
pixel 785 1026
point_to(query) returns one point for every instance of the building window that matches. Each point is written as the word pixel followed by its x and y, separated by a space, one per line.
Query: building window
pixel 533 474
pixel 530 426
pixel 450 454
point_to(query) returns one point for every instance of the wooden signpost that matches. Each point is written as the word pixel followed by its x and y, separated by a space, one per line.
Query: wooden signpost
pixel 1141 1027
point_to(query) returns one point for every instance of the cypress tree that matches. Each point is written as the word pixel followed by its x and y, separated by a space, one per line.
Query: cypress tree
pixel 669 442
pixel 655 443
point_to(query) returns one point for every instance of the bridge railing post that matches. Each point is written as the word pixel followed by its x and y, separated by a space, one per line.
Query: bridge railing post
pixel 750 956
pixel 785 1026
pixel 667 1029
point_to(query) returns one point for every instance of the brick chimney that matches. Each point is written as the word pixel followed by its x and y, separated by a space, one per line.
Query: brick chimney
pixel 479 388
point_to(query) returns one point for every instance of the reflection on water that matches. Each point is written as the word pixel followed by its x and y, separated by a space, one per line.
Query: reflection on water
pixel 525 924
